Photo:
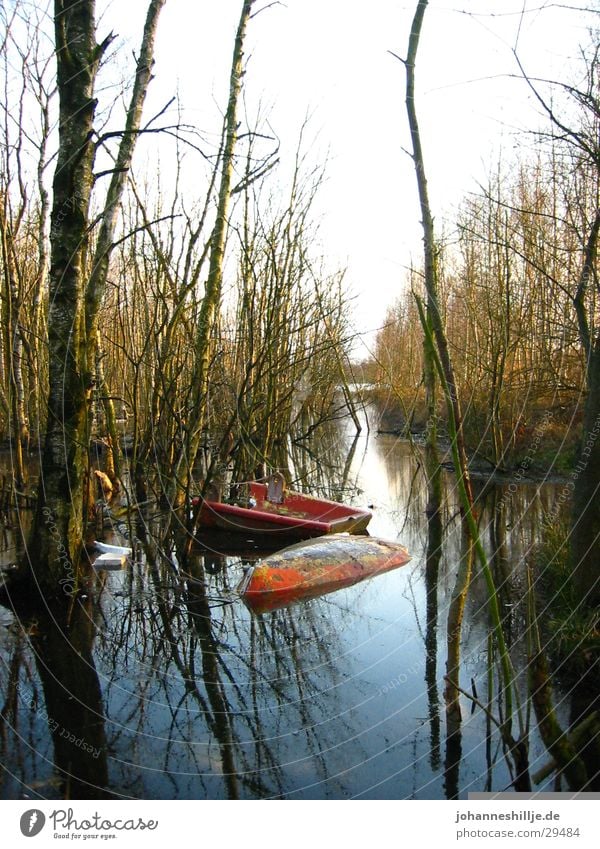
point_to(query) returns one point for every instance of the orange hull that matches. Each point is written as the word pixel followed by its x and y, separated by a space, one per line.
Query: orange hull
pixel 310 569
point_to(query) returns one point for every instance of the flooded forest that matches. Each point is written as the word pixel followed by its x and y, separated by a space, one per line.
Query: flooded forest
pixel 181 400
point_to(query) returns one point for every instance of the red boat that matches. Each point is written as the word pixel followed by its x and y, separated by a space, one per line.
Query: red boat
pixel 317 567
pixel 269 508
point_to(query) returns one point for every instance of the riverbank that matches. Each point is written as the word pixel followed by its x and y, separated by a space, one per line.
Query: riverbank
pixel 544 447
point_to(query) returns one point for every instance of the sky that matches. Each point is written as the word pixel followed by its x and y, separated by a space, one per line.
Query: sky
pixel 332 60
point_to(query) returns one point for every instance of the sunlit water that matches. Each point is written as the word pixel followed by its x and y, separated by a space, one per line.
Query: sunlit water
pixel 177 692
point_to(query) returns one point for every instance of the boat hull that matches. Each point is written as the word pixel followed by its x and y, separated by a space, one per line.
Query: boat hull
pixel 315 568
pixel 299 516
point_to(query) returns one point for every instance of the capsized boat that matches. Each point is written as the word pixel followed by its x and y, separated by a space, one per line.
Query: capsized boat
pixel 317 567
pixel 270 508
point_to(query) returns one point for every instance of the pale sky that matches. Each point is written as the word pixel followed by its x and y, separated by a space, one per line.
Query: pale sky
pixel 330 58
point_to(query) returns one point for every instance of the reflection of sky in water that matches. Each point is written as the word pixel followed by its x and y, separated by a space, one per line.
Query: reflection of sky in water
pixel 324 700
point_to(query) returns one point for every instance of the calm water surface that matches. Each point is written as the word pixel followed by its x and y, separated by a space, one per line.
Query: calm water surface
pixel 168 687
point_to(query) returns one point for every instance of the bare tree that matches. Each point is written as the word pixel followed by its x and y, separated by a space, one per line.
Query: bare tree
pixel 212 294
pixel 439 353
pixel 581 143
pixel 56 539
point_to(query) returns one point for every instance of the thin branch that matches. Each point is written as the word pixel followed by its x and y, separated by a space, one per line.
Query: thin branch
pixel 577 138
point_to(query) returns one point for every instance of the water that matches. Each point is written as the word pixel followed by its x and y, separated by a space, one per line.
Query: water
pixel 171 688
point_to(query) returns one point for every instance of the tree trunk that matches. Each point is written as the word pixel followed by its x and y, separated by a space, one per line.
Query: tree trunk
pixel 107 420
pixel 10 223
pixel 56 539
pixel 437 332
pixel 434 331
pixel 58 529
pixel 104 247
pixel 212 294
pixel 555 740
pixel 585 533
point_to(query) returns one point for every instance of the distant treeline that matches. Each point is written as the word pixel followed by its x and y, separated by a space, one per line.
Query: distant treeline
pixel 509 277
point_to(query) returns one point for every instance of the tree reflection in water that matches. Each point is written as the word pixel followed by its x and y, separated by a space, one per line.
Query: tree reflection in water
pixel 68 706
pixel 180 692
